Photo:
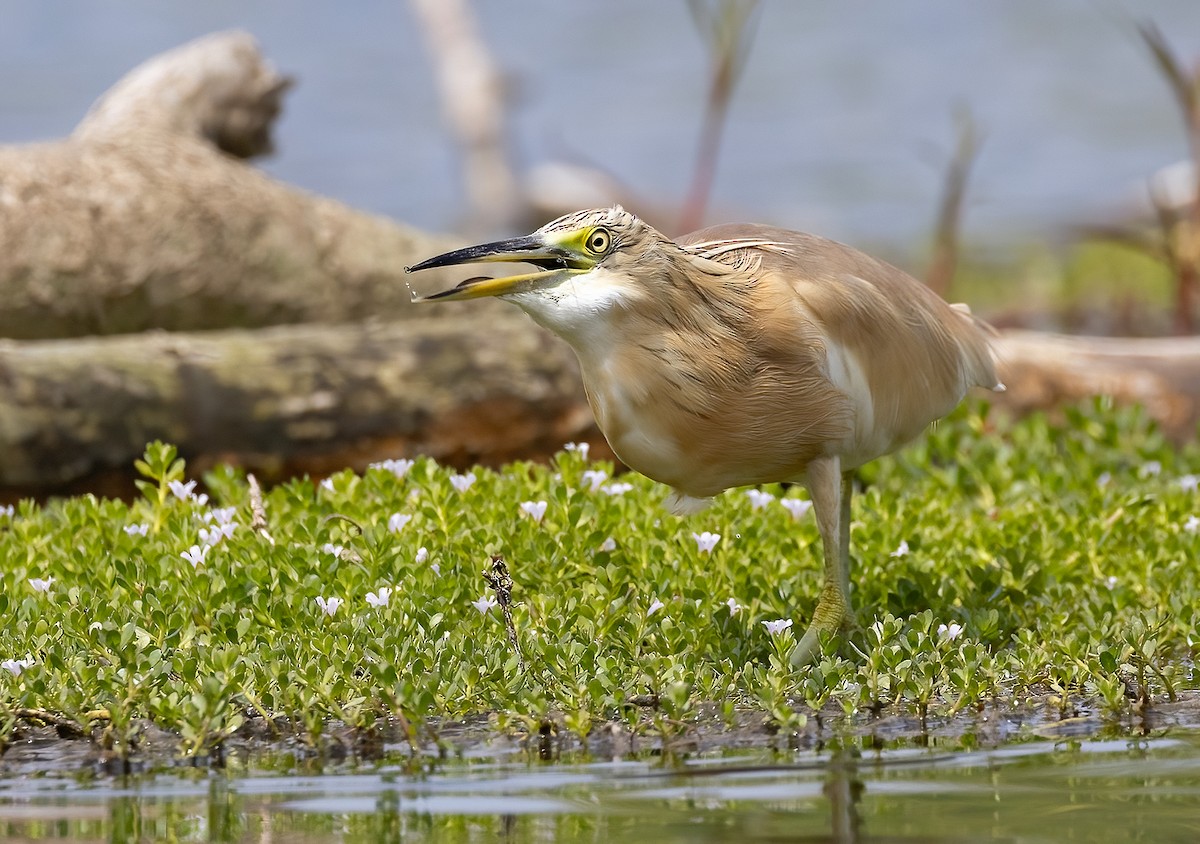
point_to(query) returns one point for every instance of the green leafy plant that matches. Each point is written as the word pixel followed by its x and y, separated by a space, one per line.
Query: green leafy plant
pixel 1015 562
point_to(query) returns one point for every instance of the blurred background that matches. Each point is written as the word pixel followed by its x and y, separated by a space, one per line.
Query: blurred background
pixel 842 123
pixel 154 286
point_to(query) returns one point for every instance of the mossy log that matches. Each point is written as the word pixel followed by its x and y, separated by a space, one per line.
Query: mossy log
pixel 285 400
pixel 465 388
pixel 147 216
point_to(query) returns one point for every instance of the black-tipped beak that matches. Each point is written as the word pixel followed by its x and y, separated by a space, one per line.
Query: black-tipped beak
pixel 530 249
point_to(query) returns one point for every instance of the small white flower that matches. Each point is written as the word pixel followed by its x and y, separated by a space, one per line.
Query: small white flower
pixel 41 584
pixel 796 506
pixel 594 477
pixel 327 485
pixel 706 541
pixel 619 488
pixel 1150 469
pixel 778 626
pixel 534 509
pixel 1192 524
pixel 734 606
pixel 462 482
pixel 196 554
pixel 1104 479
pixel 16 666
pixel 609 545
pixel 8 510
pixel 901 549
pixel 950 632
pixel 581 448
pixel 485 603
pixel 758 498
pixel 137 530
pixel 397 521
pixel 329 605
pixel 436 568
pixel 381 599
pixel 220 515
pixel 1189 483
pixel 181 490
pixel 398 467
pixel 422 555
pixel 654 607
pixel 1111 582
pixel 335 550
pixel 213 535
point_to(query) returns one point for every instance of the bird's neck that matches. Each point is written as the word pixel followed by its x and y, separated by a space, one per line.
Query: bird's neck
pixel 587 314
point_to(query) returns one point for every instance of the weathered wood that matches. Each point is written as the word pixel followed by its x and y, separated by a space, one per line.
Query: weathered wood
pixel 287 399
pixel 467 388
pixel 147 218
pixel 1048 371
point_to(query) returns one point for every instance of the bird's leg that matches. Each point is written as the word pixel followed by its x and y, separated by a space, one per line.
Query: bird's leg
pixel 844 537
pixel 830 493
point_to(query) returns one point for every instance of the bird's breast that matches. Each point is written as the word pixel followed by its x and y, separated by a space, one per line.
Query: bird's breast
pixel 699 436
pixel 639 430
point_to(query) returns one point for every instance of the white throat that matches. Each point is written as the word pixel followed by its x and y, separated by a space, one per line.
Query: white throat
pixel 578 310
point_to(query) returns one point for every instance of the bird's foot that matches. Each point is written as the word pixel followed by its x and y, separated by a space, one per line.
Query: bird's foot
pixel 831 615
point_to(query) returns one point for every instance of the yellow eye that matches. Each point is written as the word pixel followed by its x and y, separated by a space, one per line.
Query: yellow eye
pixel 599 241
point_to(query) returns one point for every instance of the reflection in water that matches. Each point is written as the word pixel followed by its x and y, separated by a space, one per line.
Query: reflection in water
pixel 1087 791
pixel 843 789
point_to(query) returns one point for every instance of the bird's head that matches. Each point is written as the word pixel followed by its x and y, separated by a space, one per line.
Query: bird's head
pixel 584 260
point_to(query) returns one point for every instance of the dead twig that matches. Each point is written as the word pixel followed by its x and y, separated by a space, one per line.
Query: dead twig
pixel 946 240
pixel 1180 226
pixel 498 578
pixel 728 27
pixel 258 511
pixel 472 92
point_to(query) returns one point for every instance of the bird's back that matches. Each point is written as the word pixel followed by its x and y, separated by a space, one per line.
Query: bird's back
pixel 900 355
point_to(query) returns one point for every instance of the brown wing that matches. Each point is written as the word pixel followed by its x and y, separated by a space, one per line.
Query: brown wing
pixel 917 353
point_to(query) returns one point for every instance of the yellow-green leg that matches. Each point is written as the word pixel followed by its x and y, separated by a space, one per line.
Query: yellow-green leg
pixel 830 491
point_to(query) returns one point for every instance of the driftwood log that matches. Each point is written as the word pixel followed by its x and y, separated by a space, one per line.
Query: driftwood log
pixel 148 217
pixel 318 398
pixel 1048 371
pixel 285 400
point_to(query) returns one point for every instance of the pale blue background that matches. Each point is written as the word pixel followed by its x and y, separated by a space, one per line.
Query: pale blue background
pixel 841 124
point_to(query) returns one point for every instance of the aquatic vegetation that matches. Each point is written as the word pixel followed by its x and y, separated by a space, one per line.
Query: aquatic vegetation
pixel 1001 561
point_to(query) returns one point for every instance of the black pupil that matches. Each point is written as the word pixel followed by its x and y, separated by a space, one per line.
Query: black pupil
pixel 598 241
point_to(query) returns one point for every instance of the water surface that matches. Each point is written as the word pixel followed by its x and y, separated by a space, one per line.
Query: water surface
pixel 1144 789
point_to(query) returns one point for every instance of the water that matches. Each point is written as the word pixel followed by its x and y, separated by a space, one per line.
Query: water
pixel 1093 790
pixel 841 125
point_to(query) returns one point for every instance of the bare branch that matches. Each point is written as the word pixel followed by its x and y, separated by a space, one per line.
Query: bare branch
pixel 471 87
pixel 940 276
pixel 728 27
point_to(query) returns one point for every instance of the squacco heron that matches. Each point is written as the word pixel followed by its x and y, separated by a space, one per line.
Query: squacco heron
pixel 743 354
